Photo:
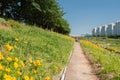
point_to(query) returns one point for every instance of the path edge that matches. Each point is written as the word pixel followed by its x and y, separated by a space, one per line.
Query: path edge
pixel 63 77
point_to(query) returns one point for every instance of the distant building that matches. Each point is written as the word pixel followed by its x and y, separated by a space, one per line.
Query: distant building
pixel 110 29
pixel 98 31
pixel 94 31
pixel 103 30
pixel 117 25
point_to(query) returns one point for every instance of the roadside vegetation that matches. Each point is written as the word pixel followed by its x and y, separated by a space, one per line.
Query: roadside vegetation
pixel 110 44
pixel 31 53
pixel 106 63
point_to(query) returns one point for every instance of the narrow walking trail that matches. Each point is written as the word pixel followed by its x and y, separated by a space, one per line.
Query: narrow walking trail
pixel 79 67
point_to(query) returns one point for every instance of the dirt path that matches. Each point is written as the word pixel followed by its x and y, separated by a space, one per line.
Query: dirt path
pixel 79 67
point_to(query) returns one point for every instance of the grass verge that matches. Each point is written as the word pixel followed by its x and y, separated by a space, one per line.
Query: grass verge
pixel 111 44
pixel 107 62
pixel 30 53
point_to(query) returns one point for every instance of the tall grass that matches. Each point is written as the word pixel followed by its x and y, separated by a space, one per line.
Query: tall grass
pixel 109 43
pixel 109 62
pixel 41 54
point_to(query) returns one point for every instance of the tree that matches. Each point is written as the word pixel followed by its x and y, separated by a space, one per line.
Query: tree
pixel 44 13
pixel 2 7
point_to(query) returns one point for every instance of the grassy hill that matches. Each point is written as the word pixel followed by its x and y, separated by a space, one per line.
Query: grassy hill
pixel 31 53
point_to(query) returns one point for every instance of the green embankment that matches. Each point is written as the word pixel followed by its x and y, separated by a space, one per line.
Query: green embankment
pixel 30 52
pixel 111 44
pixel 107 63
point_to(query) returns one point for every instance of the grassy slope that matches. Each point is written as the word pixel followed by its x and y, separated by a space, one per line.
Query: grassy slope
pixel 50 48
pixel 109 61
pixel 107 42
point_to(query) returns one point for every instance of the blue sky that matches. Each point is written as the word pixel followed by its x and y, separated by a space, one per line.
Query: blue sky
pixel 84 15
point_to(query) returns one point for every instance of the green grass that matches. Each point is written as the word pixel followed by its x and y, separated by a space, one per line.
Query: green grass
pixel 109 43
pixel 109 61
pixel 51 49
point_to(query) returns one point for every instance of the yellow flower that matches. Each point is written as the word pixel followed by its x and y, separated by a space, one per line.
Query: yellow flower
pixel 31 78
pixel 19 73
pixel 15 65
pixel 30 60
pixel 8 77
pixel 34 71
pixel 8 47
pixel 1 56
pixel 7 69
pixel 71 38
pixel 13 78
pixel 47 78
pixel 37 63
pixel 16 59
pixel 15 46
pixel 22 63
pixel 9 59
pixel 1 67
pixel 91 44
pixel 16 39
pixel 26 78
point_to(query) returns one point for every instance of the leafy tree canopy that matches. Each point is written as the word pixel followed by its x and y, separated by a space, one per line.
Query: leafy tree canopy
pixel 44 13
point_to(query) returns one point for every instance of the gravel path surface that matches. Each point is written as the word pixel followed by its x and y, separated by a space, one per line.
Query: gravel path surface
pixel 79 67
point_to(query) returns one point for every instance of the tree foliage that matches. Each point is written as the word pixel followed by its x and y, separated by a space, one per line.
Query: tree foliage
pixel 44 13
